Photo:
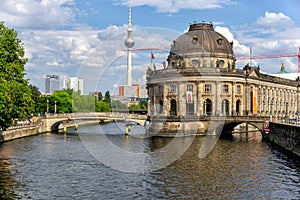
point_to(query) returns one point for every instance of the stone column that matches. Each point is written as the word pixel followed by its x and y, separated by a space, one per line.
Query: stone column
pixel 233 109
pixel 218 99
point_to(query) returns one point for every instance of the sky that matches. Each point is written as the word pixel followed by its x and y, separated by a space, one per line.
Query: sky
pixel 85 38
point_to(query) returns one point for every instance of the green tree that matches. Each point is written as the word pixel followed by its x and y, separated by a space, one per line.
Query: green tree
pixel 100 96
pixel 83 103
pixel 15 94
pixel 107 97
pixel 101 106
pixel 134 106
pixel 116 104
pixel 63 100
pixel 143 105
pixel 37 98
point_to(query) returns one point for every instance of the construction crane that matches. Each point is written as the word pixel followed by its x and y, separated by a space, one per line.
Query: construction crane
pixel 272 56
pixel 238 58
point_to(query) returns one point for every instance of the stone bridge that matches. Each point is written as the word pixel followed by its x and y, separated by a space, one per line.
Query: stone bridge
pixel 204 124
pixel 55 122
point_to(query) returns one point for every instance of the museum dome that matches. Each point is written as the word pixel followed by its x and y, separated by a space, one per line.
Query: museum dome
pixel 200 38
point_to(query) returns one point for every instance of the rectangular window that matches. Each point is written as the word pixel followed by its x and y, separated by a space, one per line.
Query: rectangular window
pixel 225 89
pixel 238 89
pixel 172 88
pixel 207 87
pixel 189 87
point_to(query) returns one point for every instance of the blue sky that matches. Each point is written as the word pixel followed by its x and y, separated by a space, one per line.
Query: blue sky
pixel 85 38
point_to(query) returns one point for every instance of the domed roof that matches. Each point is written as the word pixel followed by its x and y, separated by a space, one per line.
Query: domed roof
pixel 201 38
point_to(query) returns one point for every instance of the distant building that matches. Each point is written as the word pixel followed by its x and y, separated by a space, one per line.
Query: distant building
pixel 144 93
pixel 74 83
pixel 51 84
pixel 130 91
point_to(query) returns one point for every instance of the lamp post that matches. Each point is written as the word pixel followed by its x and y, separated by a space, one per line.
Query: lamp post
pixel 47 106
pixel 55 107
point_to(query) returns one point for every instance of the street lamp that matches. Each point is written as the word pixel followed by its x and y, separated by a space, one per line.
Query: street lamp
pixel 47 106
pixel 55 107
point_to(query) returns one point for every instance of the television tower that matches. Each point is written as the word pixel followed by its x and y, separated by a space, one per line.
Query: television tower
pixel 129 43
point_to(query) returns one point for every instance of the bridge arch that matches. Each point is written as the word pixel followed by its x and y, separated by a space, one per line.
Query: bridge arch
pixel 55 126
pixel 228 127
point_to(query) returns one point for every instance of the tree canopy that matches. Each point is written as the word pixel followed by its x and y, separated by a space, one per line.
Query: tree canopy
pixel 15 94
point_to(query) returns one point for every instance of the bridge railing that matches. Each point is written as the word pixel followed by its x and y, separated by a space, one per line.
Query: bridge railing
pixel 213 118
pixel 96 114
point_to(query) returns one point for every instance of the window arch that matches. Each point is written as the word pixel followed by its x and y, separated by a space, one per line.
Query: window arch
pixel 207 107
pixel 173 107
pixel 225 107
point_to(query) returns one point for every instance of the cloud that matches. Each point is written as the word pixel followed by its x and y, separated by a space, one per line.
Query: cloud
pixel 274 20
pixel 42 14
pixel 271 34
pixel 110 31
pixel 172 6
pixel 97 56
pixel 239 49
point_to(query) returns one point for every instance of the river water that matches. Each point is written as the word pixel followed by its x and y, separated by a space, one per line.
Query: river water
pixel 64 166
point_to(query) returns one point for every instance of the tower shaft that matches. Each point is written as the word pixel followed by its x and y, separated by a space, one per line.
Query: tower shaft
pixel 129 43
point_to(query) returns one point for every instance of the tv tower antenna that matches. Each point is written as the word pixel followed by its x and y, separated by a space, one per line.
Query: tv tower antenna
pixel 129 43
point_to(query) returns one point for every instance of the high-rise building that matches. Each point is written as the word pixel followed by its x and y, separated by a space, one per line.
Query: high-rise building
pixel 51 84
pixel 129 91
pixel 74 83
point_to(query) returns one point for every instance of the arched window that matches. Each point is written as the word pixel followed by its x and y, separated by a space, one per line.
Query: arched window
pixel 225 107
pixel 161 106
pixel 238 107
pixel 207 107
pixel 173 108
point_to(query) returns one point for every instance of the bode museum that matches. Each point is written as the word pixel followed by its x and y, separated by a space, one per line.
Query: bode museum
pixel 200 80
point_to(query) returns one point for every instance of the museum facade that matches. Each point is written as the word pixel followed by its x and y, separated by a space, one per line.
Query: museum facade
pixel 200 79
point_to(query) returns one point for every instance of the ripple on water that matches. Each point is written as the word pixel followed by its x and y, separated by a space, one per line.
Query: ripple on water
pixel 60 167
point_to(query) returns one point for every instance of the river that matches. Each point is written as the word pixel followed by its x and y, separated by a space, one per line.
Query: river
pixel 65 166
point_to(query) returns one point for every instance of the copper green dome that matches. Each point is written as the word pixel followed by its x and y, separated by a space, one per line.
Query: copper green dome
pixel 201 38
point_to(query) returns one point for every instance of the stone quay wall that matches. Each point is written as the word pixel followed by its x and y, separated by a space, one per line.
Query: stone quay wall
pixel 22 131
pixel 285 135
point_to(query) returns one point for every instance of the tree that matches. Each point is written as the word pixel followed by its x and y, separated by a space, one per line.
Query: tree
pixel 101 106
pixel 63 100
pixel 116 104
pixel 15 94
pixel 39 107
pixel 100 96
pixel 107 97
pixel 143 105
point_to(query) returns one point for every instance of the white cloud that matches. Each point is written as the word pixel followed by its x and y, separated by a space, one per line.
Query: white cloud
pixel 239 49
pixel 171 6
pixel 274 20
pixel 37 14
pixel 271 34
pixel 92 54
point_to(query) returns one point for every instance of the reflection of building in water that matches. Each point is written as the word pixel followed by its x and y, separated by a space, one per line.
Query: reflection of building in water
pixel 201 79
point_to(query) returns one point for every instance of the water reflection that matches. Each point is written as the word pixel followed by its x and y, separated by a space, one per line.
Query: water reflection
pixel 7 173
pixel 58 166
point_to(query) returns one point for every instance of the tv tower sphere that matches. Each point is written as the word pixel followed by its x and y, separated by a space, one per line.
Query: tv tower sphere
pixel 129 41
